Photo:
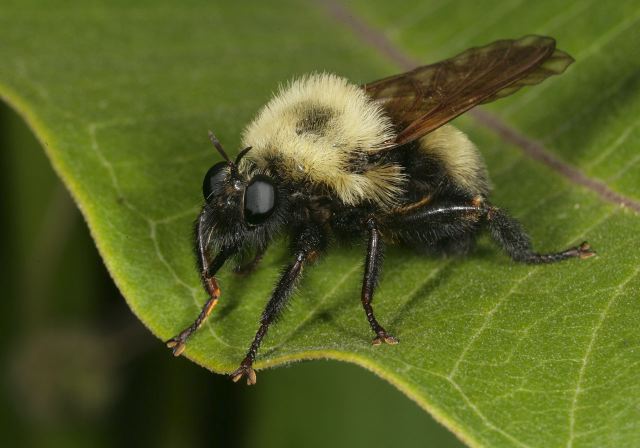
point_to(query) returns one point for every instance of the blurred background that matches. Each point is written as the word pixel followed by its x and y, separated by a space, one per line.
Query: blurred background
pixel 78 369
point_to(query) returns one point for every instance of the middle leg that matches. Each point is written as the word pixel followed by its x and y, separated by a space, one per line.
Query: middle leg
pixel 371 273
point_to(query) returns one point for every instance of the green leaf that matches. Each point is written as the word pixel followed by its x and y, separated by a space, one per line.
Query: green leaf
pixel 121 98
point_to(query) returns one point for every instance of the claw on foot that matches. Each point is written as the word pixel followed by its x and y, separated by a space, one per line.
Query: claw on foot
pixel 585 251
pixel 244 371
pixel 177 345
pixel 386 338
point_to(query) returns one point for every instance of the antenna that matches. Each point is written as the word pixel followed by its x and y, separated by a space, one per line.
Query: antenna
pixel 216 143
pixel 241 154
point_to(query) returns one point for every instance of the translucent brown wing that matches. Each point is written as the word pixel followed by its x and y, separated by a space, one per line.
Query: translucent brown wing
pixel 427 97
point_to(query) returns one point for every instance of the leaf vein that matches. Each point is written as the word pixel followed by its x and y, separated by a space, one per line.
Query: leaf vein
pixel 587 355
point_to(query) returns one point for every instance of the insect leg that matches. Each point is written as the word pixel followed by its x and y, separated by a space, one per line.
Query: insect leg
pixel 308 244
pixel 509 234
pixel 449 226
pixel 208 270
pixel 373 264
pixel 248 267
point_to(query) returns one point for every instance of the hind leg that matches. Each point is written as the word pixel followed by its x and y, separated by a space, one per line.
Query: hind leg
pixel 453 225
pixel 509 234
pixel 461 245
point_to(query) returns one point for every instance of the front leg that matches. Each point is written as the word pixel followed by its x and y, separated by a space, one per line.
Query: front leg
pixel 372 268
pixel 208 269
pixel 308 245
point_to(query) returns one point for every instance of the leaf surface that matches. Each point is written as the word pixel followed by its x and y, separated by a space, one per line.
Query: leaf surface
pixel 121 98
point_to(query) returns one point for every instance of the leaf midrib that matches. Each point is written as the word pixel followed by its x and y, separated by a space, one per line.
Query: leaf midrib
pixel 533 149
pixel 466 433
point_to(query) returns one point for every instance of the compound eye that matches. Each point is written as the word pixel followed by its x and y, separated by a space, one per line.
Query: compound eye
pixel 259 200
pixel 214 179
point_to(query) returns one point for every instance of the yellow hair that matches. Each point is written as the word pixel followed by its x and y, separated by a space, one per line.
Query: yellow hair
pixel 315 127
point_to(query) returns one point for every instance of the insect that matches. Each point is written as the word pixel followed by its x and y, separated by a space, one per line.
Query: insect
pixel 327 161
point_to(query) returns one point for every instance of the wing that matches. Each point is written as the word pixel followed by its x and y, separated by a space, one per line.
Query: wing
pixel 427 97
